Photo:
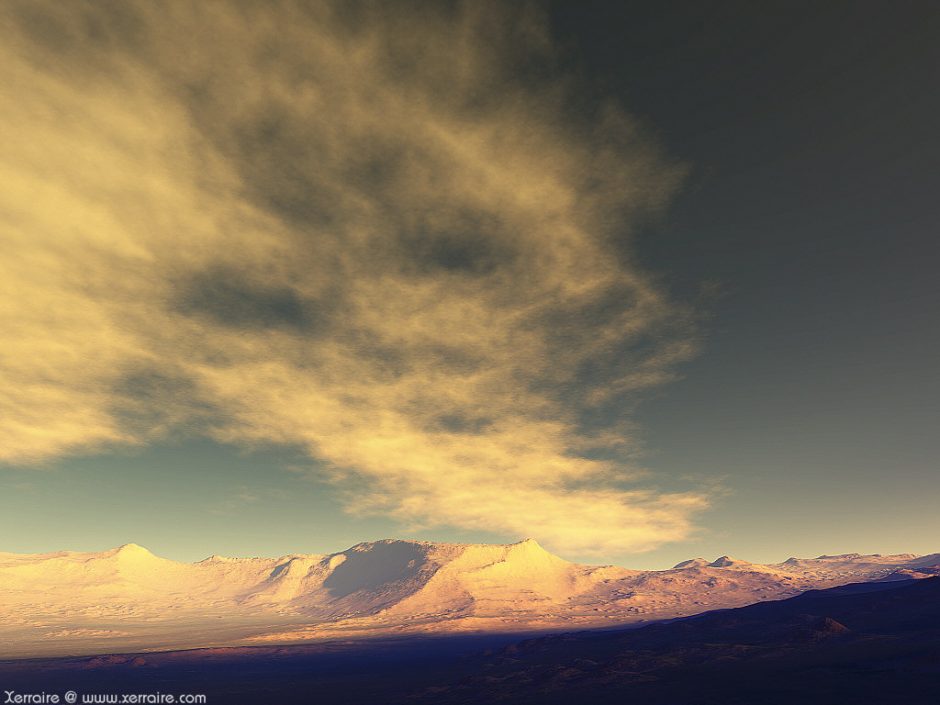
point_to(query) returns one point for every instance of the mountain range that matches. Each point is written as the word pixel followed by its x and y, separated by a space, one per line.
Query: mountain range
pixel 127 599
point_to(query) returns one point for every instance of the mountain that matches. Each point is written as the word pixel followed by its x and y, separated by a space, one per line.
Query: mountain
pixel 125 599
pixel 873 643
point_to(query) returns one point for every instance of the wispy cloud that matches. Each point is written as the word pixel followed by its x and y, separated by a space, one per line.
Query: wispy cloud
pixel 239 498
pixel 376 230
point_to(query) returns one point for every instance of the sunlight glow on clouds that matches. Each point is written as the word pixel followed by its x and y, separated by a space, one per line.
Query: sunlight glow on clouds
pixel 385 238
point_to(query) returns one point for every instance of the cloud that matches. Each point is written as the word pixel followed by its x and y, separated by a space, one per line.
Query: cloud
pixel 388 233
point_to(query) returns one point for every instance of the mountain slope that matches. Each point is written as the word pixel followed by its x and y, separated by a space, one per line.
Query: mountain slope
pixel 127 598
pixel 872 643
pixel 867 643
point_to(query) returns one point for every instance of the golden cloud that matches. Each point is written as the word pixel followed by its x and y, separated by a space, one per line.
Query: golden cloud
pixel 374 230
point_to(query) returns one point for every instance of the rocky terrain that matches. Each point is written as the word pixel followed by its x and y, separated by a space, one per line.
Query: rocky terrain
pixel 872 643
pixel 128 599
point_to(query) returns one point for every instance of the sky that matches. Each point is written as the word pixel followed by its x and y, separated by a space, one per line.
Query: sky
pixel 643 281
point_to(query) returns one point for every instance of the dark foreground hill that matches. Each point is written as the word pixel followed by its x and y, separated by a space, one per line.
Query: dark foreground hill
pixel 865 643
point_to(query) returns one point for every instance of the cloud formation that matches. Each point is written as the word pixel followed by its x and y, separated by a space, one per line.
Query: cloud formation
pixel 384 232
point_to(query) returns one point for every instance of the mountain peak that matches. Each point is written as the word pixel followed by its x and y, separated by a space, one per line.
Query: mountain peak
pixel 129 555
pixel 215 558
pixel 532 549
pixel 839 557
pixel 726 562
pixel 691 563
pixel 529 543
pixel 132 549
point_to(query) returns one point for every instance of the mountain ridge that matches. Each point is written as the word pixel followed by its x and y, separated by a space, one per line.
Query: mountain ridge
pixel 127 598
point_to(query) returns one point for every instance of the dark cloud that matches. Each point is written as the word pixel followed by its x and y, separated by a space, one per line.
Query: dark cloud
pixel 229 298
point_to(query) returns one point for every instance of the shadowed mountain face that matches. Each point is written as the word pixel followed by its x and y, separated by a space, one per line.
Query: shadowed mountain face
pixel 374 566
pixel 127 599
pixel 872 644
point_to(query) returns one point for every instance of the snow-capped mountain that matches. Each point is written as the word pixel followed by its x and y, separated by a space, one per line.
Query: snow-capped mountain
pixel 129 599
